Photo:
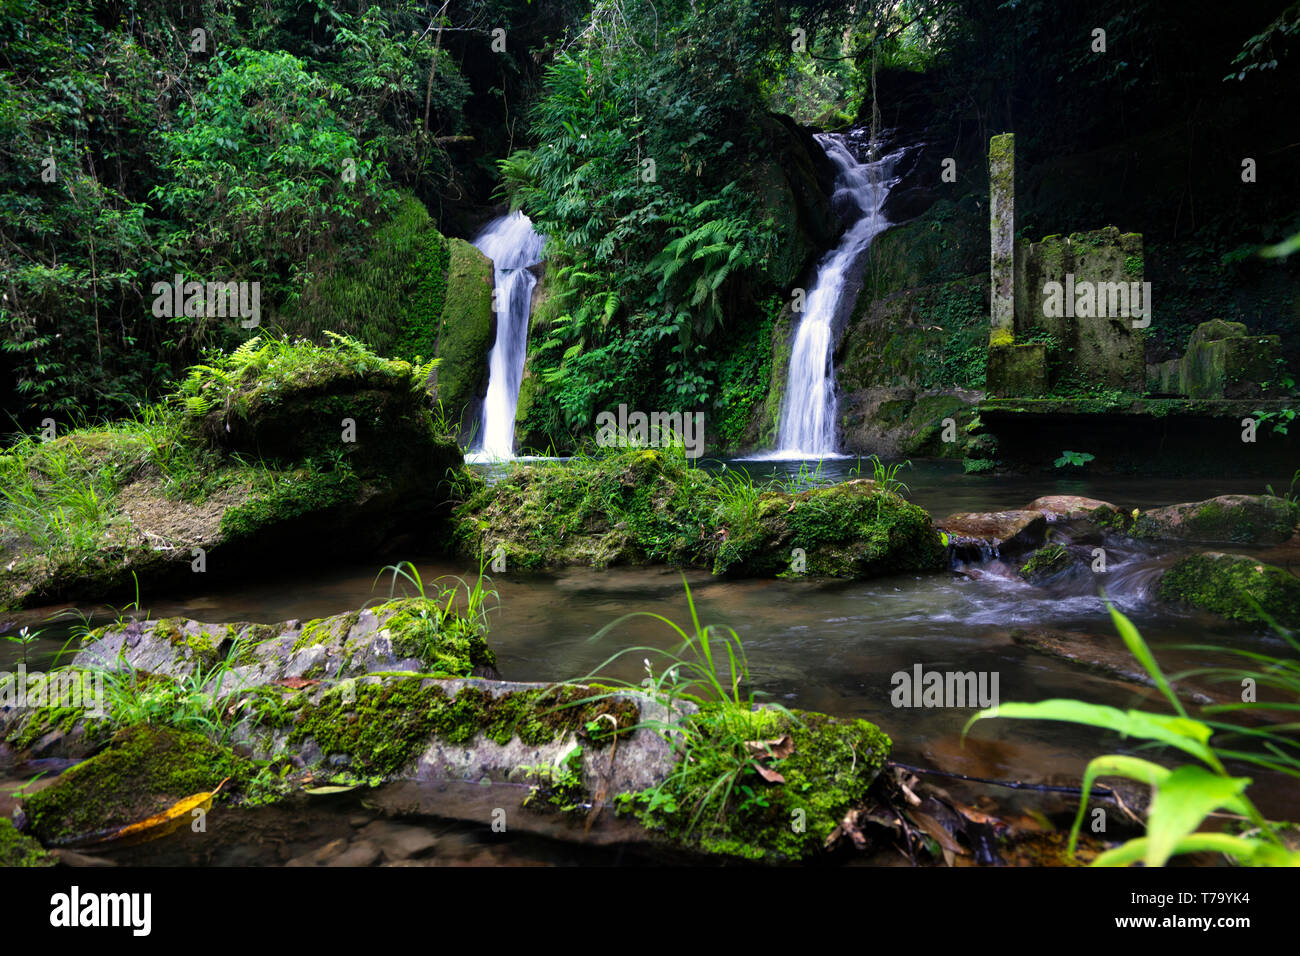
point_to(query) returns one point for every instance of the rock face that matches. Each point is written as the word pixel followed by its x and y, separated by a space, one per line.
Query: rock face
pixel 1068 507
pixel 976 534
pixel 1227 519
pixel 465 332
pixel 1235 585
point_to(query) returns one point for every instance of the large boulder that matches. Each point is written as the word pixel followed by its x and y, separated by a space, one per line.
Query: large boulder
pixel 1227 519
pixel 645 506
pixel 1234 585
pixel 330 447
pixel 978 534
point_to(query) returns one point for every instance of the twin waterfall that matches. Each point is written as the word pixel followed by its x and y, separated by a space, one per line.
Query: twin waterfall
pixel 807 427
pixel 513 245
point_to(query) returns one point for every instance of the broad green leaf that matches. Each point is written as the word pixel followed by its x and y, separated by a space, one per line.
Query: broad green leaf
pixel 1245 851
pixel 1114 765
pixel 1182 802
pixel 1189 736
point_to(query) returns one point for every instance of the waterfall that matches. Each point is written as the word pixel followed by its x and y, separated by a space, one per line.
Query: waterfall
pixel 513 245
pixel 807 427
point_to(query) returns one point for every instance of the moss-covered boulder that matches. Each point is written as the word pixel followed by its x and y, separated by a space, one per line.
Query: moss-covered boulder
pixel 144 771
pixel 17 849
pixel 1045 563
pixel 329 447
pixel 1227 519
pixel 646 506
pixel 815 769
pixel 1234 585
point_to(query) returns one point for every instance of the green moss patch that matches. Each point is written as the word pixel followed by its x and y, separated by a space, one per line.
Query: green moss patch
pixel 381 726
pixel 1235 586
pixel 1045 562
pixel 646 506
pixel 144 771
pixel 829 771
pixel 17 849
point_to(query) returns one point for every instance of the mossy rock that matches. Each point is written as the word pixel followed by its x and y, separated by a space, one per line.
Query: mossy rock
pixel 1227 519
pixel 377 728
pixel 828 773
pixel 143 771
pixel 645 506
pixel 855 529
pixel 1236 586
pixel 17 849
pixel 465 332
pixel 1045 563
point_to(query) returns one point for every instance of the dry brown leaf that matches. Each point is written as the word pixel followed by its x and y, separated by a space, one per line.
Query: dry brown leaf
pixel 767 773
pixel 777 749
pixel 296 683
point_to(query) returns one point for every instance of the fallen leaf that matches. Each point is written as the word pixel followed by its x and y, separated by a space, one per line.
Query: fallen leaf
pixel 767 773
pixel 296 683
pixel 324 791
pixel 158 825
pixel 777 749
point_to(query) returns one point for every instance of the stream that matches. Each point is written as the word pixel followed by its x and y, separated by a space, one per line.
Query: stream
pixel 821 645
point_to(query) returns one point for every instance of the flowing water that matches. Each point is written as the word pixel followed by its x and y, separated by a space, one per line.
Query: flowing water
pixel 513 246
pixel 807 427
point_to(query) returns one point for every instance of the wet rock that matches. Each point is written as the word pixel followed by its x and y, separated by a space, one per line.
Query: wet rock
pixel 973 535
pixel 1068 507
pixel 321 855
pixel 1236 586
pixel 398 841
pixel 358 854
pixel 1046 563
pixel 1227 519
pixel 1105 654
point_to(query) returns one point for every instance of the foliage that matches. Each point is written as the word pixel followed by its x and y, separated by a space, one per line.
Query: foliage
pixel 1076 458
pixel 1182 798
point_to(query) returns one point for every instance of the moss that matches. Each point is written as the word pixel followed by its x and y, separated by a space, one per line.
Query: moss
pixel 977 466
pixel 645 506
pixel 465 329
pixel 143 772
pixel 1045 562
pixel 1235 586
pixel 292 496
pixel 830 770
pixel 381 726
pixel 19 850
pixel 58 717
pixel 449 646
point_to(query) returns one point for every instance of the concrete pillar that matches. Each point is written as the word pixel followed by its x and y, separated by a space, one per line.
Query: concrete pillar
pixel 1002 227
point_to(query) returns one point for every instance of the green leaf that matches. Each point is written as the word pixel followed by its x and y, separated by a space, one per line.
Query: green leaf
pixel 1182 802
pixel 1189 736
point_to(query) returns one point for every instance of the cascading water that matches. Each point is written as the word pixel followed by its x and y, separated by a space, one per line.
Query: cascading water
pixel 807 427
pixel 513 245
